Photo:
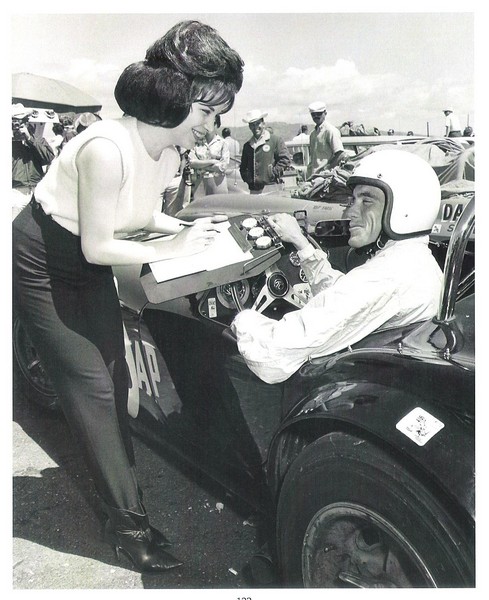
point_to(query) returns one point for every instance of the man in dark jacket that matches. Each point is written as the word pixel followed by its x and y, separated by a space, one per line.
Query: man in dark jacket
pixel 264 157
pixel 30 154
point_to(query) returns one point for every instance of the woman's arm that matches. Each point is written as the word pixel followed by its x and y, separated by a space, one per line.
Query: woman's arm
pixel 99 166
pixel 162 223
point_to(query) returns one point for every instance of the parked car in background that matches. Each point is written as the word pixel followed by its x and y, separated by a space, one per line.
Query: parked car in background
pixel 440 152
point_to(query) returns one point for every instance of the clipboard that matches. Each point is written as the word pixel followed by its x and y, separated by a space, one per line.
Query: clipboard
pixel 237 259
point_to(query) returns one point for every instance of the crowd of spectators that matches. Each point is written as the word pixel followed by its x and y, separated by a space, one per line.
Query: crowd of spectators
pixel 213 166
pixel 38 136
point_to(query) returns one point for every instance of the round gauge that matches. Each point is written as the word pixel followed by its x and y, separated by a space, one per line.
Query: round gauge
pixel 302 276
pixel 263 242
pixel 249 223
pixel 225 297
pixel 256 232
pixel 278 285
pixel 294 259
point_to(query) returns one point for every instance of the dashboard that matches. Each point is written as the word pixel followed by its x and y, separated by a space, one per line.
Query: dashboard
pixel 280 288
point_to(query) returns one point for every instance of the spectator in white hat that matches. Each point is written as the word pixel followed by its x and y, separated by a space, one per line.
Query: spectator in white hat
pixel 452 124
pixel 326 148
pixel 85 120
pixel 264 157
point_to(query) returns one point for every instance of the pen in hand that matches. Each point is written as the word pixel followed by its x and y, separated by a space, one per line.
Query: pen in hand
pixel 187 224
pixel 218 218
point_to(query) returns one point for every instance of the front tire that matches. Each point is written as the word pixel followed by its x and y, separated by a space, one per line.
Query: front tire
pixel 30 378
pixel 349 515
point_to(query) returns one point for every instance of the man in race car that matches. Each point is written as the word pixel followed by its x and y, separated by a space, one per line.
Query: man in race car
pixel 395 201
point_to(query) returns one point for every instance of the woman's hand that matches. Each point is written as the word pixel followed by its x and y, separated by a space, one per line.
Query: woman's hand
pixel 197 236
pixel 288 229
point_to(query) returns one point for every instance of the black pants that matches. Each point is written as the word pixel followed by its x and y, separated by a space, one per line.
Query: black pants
pixel 71 312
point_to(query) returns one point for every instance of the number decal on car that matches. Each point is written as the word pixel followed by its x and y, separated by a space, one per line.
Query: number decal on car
pixel 144 372
pixel 452 211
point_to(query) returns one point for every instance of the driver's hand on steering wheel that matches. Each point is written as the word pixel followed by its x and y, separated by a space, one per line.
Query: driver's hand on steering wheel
pixel 287 227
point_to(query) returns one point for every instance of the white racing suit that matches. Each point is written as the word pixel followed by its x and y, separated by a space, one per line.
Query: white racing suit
pixel 400 285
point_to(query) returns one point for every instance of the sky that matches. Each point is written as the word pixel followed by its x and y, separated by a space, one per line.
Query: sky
pixel 386 69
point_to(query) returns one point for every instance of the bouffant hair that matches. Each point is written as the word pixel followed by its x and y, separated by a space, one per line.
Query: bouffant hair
pixel 190 63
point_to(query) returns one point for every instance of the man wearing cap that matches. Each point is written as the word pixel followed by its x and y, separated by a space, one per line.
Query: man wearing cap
pixel 452 124
pixel 30 155
pixel 325 146
pixel 264 157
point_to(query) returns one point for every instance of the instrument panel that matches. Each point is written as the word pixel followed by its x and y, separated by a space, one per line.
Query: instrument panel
pixel 280 288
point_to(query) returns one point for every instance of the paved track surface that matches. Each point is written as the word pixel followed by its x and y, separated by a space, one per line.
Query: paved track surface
pixel 57 529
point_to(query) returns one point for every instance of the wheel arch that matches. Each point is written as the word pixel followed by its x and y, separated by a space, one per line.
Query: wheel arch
pixel 454 485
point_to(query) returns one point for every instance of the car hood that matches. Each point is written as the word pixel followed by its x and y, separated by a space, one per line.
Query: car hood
pixel 235 204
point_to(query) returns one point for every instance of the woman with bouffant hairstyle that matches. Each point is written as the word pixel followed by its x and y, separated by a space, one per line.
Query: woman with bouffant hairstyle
pixel 107 182
pixel 189 64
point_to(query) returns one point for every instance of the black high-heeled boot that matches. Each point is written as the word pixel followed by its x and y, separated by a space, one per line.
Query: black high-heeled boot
pixel 159 538
pixel 130 534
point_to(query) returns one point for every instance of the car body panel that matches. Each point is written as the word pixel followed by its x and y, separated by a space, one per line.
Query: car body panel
pixel 261 204
pixel 187 403
pixel 363 390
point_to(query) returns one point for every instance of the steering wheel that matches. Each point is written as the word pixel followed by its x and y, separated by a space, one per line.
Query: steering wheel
pixel 277 287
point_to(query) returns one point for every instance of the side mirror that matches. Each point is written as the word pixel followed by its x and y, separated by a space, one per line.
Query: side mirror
pixel 332 228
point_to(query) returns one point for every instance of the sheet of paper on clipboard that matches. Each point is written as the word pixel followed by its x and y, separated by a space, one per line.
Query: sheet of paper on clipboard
pixel 223 251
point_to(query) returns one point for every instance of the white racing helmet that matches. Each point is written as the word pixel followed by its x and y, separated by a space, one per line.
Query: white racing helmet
pixel 411 188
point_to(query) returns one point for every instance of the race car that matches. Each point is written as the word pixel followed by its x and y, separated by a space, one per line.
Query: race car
pixel 362 462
